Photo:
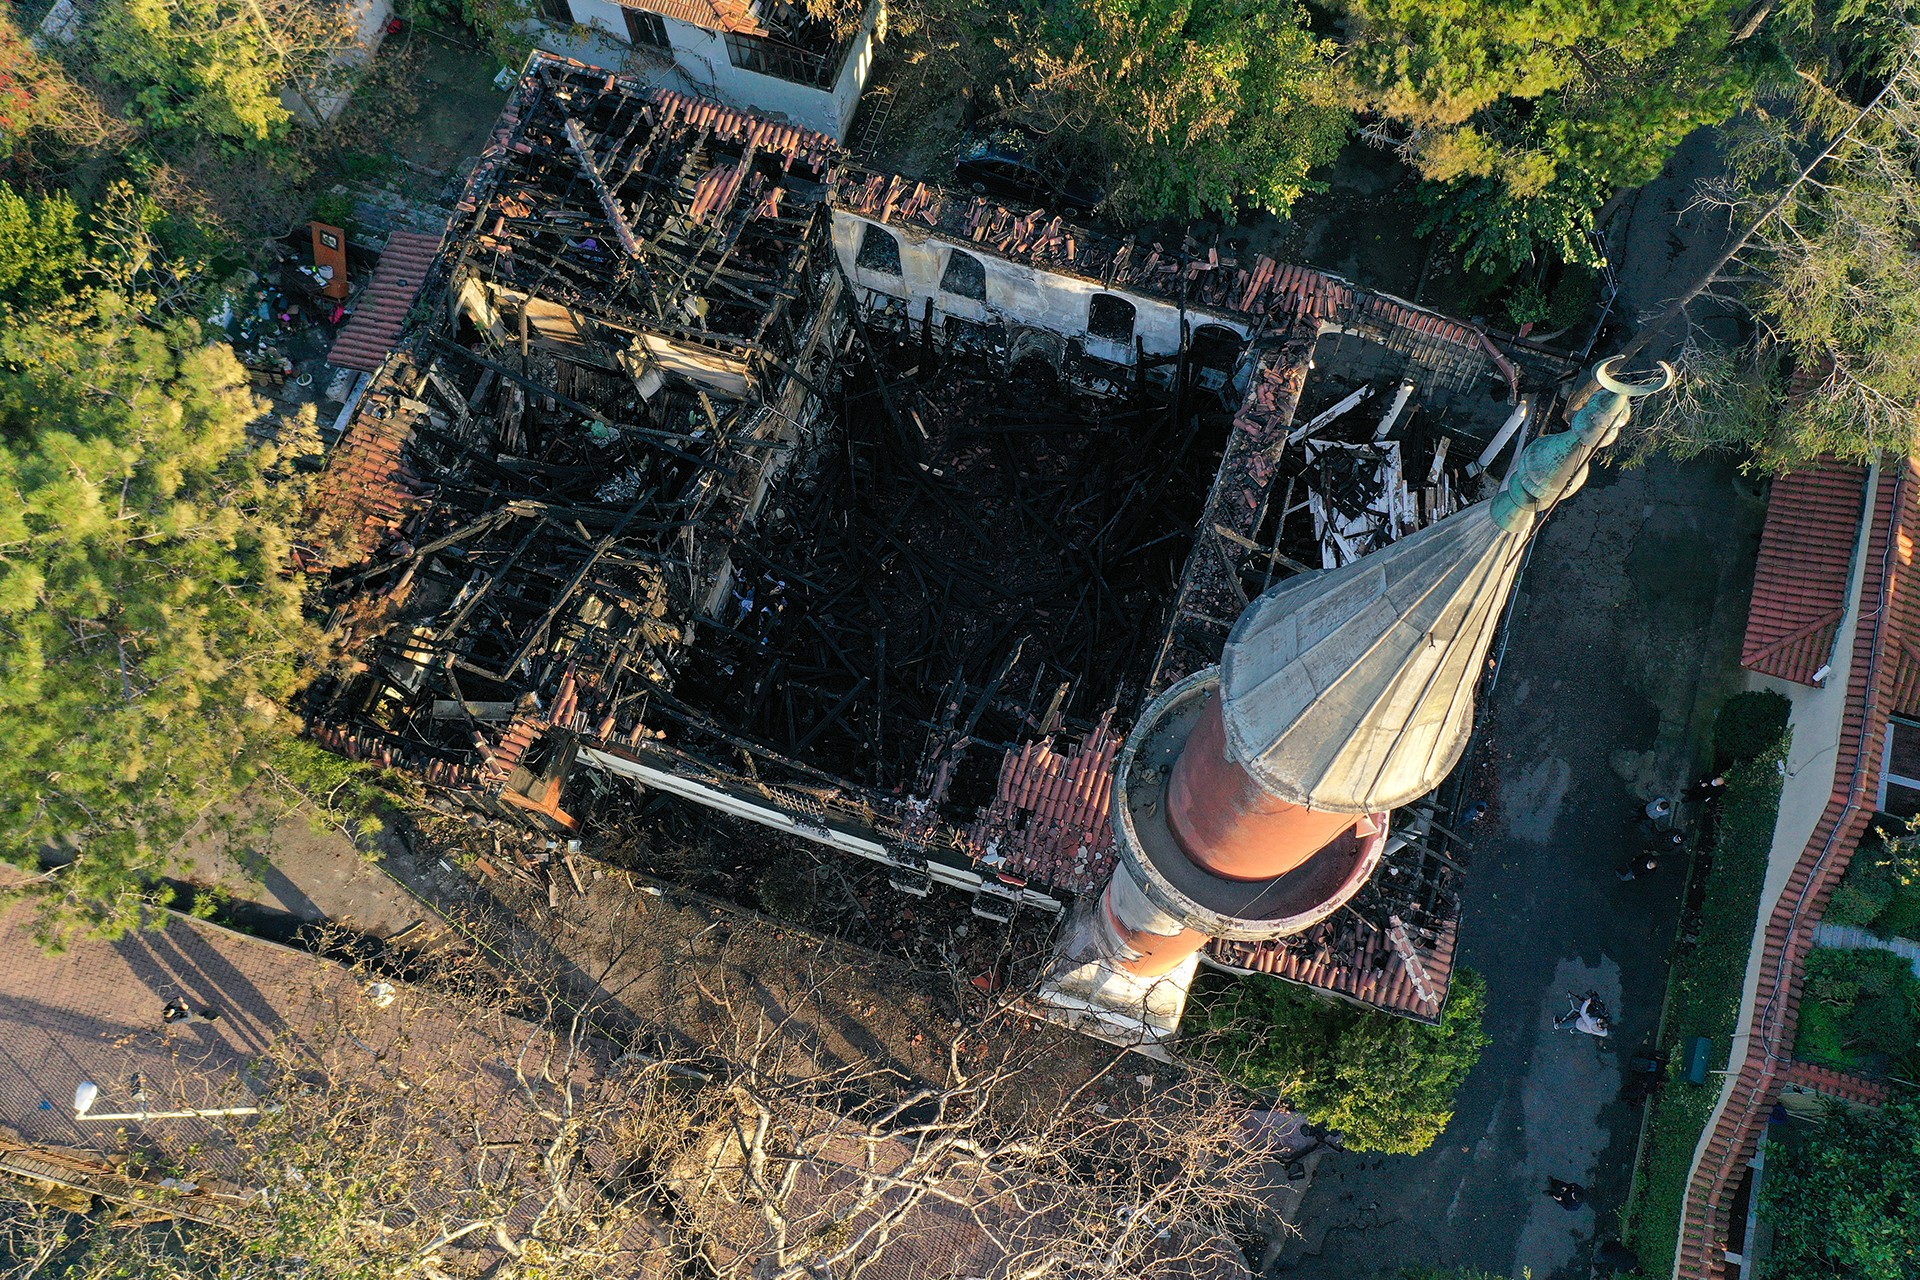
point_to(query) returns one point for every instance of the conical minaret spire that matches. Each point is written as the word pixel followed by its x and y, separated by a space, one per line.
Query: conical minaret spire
pixel 1351 691
pixel 1253 798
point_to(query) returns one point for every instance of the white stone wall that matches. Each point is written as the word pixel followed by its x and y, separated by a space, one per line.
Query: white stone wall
pixel 1017 294
pixel 316 107
pixel 701 55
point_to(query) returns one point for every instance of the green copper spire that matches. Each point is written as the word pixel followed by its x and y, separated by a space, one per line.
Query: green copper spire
pixel 1554 467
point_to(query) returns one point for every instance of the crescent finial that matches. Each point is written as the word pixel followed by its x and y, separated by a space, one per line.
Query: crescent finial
pixel 1603 374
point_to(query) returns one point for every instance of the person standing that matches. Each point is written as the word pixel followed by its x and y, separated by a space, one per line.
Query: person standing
pixel 1568 1195
pixel 1645 864
pixel 1709 788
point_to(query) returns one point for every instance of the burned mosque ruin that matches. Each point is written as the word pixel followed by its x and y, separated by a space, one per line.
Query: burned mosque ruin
pixel 906 523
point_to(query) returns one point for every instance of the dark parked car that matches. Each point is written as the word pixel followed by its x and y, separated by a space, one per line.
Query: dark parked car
pixel 1010 164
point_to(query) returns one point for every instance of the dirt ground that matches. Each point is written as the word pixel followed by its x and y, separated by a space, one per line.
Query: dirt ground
pixel 646 961
pixel 1359 227
pixel 455 107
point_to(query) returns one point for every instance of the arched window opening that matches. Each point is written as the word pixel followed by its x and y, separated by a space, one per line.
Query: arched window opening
pixel 1110 317
pixel 964 276
pixel 1214 346
pixel 879 251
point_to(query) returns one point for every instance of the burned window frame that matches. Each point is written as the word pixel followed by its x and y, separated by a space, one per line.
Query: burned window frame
pixel 1095 328
pixel 784 61
pixel 645 30
pixel 977 271
pixel 879 251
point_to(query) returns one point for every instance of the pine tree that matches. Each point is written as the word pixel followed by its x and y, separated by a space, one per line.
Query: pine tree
pixel 148 627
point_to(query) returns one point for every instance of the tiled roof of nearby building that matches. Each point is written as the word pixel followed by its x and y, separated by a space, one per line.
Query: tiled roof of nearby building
pixel 93 1013
pixel 1889 626
pixel 735 16
pixel 381 309
pixel 1843 1085
pixel 1800 581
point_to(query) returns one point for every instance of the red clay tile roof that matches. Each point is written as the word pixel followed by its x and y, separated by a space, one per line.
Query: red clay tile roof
pixel 1800 582
pixel 1050 820
pixel 734 16
pixel 367 491
pixel 1837 1084
pixel 1376 974
pixel 381 309
pixel 1890 622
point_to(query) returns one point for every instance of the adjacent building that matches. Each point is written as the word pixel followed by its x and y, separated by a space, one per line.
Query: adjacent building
pixel 767 56
pixel 1834 626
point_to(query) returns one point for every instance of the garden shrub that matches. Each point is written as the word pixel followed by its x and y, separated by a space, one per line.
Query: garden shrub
pixel 1748 724
pixel 1842 1201
pixel 1384 1083
pixel 1857 1006
pixel 1881 889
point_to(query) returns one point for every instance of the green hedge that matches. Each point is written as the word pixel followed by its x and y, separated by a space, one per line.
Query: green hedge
pixel 1703 999
pixel 1748 725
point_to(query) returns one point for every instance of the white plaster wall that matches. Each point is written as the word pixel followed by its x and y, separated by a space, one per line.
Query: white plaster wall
pixel 314 108
pixel 702 56
pixel 1016 293
pixel 603 14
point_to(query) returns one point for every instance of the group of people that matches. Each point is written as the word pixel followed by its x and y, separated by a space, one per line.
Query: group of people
pixel 1662 837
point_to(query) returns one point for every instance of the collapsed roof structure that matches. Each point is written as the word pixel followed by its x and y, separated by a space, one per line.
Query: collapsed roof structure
pixel 862 510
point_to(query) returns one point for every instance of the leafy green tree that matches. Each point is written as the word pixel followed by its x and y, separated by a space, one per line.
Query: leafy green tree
pixel 40 101
pixel 220 66
pixel 147 625
pixel 1842 1201
pixel 1529 175
pixel 42 251
pixel 1385 1083
pixel 1434 64
pixel 1208 106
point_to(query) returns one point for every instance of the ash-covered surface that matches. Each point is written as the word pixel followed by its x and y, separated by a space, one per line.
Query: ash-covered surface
pixel 918 605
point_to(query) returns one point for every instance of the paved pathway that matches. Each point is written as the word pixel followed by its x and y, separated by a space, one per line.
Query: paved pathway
pixel 1851 937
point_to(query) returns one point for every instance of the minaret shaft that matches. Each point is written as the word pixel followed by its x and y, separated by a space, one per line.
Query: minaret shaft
pixel 1228 823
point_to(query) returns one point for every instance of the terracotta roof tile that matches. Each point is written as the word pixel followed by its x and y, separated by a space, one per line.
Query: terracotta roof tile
pixel 1375 974
pixel 1800 581
pixel 381 310
pixel 735 16
pixel 1836 1084
pixel 1050 819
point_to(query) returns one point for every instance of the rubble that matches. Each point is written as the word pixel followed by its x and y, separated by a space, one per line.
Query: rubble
pixel 651 489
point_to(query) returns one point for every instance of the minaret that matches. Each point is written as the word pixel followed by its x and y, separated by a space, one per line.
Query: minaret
pixel 1252 799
